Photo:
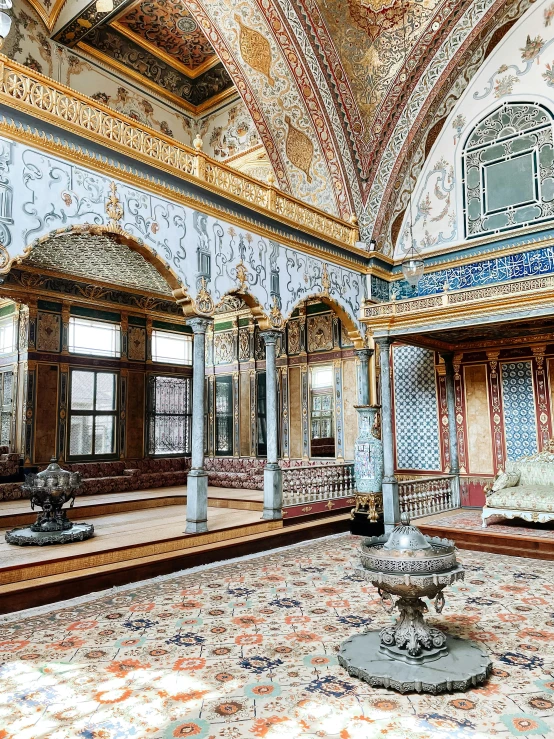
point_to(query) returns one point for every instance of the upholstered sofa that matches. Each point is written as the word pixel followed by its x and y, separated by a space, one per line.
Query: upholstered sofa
pixel 524 490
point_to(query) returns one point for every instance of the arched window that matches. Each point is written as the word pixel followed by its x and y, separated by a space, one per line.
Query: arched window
pixel 508 170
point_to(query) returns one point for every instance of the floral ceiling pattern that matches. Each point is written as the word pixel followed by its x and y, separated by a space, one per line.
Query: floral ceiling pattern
pixel 341 92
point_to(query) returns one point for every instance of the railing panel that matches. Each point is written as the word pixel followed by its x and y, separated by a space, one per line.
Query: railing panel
pixel 320 482
pixel 425 496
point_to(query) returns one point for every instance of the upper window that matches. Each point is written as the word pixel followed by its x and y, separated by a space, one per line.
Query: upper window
pixel 508 170
pixel 94 337
pixel 171 348
pixel 224 416
pixel 7 335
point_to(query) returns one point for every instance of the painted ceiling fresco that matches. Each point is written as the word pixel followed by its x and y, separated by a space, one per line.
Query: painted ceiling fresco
pixel 157 43
pixel 345 94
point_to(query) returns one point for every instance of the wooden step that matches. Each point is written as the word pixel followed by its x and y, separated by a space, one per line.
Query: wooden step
pixel 203 549
pixel 496 543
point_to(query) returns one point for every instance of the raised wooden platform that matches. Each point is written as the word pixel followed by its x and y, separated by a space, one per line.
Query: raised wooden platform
pixel 18 512
pixel 137 538
pixel 515 541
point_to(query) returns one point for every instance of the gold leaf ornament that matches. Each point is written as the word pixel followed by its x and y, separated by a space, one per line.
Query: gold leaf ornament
pixel 299 148
pixel 255 50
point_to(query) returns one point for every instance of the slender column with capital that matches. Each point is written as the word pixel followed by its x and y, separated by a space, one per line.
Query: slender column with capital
pixel 197 479
pixel 453 434
pixel 391 502
pixel 273 477
pixel 363 375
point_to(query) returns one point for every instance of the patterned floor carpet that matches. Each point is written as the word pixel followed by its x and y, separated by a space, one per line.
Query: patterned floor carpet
pixel 471 520
pixel 248 649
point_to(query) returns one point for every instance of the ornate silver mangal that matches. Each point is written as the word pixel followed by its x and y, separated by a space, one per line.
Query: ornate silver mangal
pixel 50 490
pixel 411 654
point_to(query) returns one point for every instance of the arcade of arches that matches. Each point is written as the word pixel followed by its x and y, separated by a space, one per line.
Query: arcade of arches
pixel 271 273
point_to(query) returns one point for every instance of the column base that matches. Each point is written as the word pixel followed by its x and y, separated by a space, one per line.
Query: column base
pixel 273 493
pixel 197 502
pixel 391 503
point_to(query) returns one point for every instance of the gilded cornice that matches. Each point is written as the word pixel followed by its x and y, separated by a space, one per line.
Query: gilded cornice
pixel 468 306
pixel 30 92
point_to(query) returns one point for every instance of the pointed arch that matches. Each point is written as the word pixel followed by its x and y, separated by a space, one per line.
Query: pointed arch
pixel 352 329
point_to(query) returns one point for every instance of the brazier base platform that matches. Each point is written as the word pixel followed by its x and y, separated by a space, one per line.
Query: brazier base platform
pixel 25 536
pixel 465 666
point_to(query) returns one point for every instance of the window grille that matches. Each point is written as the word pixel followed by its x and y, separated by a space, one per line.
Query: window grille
pixel 262 420
pixel 224 416
pixel 99 338
pixel 93 414
pixel 171 348
pixel 169 415
pixel 6 406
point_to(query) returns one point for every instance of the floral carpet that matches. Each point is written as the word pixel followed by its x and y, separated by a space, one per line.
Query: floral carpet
pixel 471 521
pixel 248 649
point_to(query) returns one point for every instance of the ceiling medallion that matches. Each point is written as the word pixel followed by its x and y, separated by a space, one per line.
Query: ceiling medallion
pixel 186 24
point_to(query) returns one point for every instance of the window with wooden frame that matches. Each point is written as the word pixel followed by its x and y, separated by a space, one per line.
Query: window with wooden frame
pixel 93 414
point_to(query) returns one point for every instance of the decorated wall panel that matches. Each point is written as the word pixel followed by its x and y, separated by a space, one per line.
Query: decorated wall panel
pixel 296 424
pixel 519 409
pixel 415 409
pixel 479 438
pixel 48 332
pixel 447 208
pixel 350 399
pixel 50 193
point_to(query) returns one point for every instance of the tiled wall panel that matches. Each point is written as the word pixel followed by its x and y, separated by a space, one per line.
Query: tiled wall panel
pixel 415 409
pixel 519 409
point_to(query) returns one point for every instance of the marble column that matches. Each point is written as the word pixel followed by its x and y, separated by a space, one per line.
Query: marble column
pixel 197 479
pixel 452 431
pixel 391 502
pixel 273 477
pixel 363 375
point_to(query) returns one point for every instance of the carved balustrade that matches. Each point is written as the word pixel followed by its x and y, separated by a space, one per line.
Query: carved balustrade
pixel 426 495
pixel 320 482
pixel 25 89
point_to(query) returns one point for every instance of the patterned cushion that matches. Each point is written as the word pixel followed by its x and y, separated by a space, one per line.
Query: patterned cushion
pixel 506 480
pixel 534 498
pixel 536 473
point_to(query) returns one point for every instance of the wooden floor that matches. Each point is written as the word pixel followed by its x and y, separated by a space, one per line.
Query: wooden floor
pixel 138 535
pixel 487 540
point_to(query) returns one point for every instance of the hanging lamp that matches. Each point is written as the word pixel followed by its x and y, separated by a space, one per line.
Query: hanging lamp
pixel 5 20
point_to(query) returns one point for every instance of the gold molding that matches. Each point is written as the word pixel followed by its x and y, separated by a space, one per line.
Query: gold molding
pixel 28 91
pixel 161 54
pixel 48 18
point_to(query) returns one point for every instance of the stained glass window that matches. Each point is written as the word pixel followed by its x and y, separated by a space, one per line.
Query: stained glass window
pixel 93 414
pixel 224 416
pixel 99 338
pixel 508 170
pixel 169 417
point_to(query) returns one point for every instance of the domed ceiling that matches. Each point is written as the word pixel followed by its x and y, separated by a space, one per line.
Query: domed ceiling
pixel 344 93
